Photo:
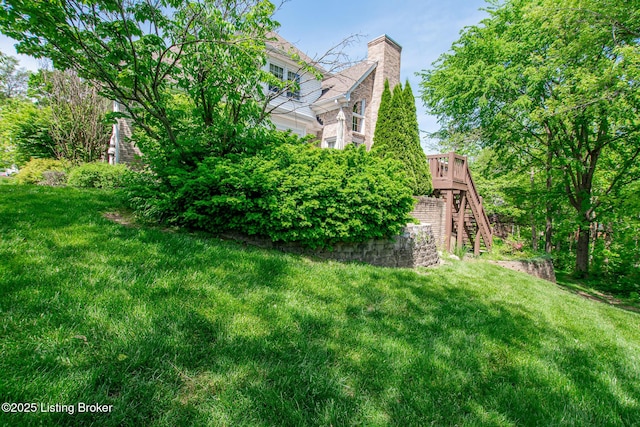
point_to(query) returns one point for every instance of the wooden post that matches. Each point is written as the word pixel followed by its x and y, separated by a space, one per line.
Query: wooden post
pixel 476 244
pixel 452 165
pixel 449 220
pixel 460 226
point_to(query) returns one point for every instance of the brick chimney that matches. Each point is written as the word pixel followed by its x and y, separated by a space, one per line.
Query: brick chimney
pixel 386 52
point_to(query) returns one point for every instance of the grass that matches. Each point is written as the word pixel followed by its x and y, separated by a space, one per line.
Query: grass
pixel 178 329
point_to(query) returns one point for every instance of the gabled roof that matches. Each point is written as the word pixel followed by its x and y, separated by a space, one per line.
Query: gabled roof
pixel 334 86
pixel 285 48
pixel 345 81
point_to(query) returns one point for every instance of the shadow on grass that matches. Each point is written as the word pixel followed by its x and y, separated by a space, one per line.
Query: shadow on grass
pixel 173 329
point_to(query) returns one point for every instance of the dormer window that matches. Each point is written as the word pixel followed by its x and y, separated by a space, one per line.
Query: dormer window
pixel 357 121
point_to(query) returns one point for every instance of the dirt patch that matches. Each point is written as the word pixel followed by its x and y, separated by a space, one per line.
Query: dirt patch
pixel 122 219
pixel 607 299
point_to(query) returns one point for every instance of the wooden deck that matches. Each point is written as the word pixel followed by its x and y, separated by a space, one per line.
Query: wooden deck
pixel 466 220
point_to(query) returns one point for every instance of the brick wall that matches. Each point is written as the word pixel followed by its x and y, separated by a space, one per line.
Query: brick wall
pixel 363 92
pixel 387 53
pixel 414 247
pixel 129 152
pixel 429 210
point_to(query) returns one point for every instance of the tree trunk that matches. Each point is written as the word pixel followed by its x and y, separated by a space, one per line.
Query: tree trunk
pixel 548 231
pixel 534 231
pixel 582 250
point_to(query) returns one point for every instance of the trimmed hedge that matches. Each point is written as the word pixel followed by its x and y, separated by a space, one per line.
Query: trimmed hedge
pixel 299 193
pixel 97 175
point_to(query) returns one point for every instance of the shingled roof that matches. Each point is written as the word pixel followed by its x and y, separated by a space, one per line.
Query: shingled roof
pixel 285 48
pixel 346 80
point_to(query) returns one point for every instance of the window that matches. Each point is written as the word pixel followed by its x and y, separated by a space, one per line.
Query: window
pixel 293 81
pixel 294 88
pixel 279 73
pixel 357 121
pixel 331 142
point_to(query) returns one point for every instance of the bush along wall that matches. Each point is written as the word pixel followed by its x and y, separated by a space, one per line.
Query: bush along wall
pixel 291 193
pixel 97 175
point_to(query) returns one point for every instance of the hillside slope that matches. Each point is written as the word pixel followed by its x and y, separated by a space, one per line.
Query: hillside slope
pixel 178 329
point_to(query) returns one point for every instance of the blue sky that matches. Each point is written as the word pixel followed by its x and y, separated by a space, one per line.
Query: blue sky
pixel 424 28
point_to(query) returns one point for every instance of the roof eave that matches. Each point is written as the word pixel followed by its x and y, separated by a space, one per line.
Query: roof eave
pixel 361 79
pixel 329 104
pixel 332 103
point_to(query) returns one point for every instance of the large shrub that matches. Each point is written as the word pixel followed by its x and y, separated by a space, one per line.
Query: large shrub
pixel 32 172
pixel 293 192
pixel 24 132
pixel 300 193
pixel 97 175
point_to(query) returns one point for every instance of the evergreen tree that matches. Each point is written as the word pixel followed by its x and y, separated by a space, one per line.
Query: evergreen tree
pixel 418 159
pixel 397 136
pixel 383 124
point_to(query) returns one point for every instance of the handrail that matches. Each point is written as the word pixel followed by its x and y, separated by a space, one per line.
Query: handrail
pixel 476 200
pixel 453 168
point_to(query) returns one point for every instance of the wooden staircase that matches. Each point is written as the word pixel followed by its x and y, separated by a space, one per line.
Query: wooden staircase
pixel 466 221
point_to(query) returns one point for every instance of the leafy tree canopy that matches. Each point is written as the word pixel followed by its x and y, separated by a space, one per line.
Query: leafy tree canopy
pixel 141 53
pixel 555 82
pixel 13 79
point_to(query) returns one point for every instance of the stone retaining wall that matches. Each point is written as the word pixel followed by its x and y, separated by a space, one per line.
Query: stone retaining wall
pixel 414 247
pixel 542 268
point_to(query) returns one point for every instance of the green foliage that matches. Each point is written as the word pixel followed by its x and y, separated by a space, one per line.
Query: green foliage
pixel 554 87
pixel 24 131
pixel 32 172
pixel 97 175
pixel 383 134
pixel 147 197
pixel 142 53
pixel 13 80
pixel 417 159
pixel 460 251
pixel 397 136
pixel 67 120
pixel 293 192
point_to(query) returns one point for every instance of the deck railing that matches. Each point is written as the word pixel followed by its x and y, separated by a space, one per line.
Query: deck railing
pixel 451 172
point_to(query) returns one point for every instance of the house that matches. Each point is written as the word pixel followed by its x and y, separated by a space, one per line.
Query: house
pixel 342 108
pixel 339 109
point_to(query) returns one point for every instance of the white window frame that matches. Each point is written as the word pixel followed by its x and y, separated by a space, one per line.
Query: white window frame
pixel 291 92
pixel 358 117
pixel 330 142
pixel 290 76
pixel 275 69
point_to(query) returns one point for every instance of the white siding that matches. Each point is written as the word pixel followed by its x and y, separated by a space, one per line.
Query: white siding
pixel 295 114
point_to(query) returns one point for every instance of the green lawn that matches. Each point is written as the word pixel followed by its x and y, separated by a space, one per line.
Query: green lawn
pixel 175 329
